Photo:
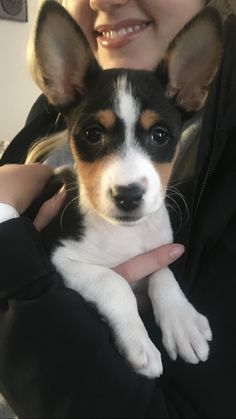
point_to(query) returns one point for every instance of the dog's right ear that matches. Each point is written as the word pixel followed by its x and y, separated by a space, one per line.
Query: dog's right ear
pixel 63 55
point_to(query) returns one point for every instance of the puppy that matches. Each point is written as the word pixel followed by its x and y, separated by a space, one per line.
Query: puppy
pixel 124 129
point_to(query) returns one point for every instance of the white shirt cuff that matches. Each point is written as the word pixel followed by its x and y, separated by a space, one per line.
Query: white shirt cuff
pixel 7 212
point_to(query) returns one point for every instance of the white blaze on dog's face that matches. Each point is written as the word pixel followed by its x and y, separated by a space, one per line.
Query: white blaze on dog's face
pixel 124 124
pixel 131 185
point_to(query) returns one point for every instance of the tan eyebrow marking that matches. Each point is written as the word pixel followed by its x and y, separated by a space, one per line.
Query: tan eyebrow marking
pixel 165 170
pixel 149 118
pixel 106 118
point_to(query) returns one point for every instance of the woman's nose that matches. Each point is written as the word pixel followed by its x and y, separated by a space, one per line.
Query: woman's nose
pixel 106 5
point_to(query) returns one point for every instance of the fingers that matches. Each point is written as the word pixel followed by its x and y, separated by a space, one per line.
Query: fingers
pixel 20 184
pixel 147 263
pixel 49 210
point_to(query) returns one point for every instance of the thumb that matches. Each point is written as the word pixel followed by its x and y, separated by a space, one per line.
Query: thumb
pixel 49 210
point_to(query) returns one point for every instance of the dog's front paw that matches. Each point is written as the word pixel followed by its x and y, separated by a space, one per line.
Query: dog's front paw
pixel 186 333
pixel 137 348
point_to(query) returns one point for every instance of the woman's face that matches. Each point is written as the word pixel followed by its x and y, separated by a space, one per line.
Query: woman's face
pixel 131 33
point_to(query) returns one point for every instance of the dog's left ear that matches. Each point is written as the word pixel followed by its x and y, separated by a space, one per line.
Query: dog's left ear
pixel 193 60
pixel 63 55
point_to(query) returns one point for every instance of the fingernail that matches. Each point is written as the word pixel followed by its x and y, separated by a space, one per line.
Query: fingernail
pixel 177 251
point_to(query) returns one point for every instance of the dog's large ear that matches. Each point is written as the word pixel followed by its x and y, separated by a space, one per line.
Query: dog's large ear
pixel 63 55
pixel 193 59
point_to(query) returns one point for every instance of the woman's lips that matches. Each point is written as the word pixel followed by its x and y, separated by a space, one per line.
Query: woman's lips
pixel 116 36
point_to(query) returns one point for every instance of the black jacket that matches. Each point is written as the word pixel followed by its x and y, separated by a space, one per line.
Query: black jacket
pixel 57 358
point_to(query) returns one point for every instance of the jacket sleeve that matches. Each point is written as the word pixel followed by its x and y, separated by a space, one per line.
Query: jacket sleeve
pixel 41 122
pixel 57 358
pixel 39 106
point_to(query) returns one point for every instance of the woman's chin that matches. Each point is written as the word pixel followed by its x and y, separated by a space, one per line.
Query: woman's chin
pixel 126 62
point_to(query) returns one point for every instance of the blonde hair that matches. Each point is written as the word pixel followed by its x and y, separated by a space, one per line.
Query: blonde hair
pixel 42 148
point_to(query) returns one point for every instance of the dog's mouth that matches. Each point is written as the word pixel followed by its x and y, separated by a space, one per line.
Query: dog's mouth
pixel 128 219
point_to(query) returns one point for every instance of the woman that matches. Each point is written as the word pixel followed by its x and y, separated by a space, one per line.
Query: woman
pixel 56 357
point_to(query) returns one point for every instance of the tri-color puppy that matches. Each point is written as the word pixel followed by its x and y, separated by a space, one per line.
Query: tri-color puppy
pixel 124 128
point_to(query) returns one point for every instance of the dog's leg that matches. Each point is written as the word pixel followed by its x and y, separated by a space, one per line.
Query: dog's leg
pixel 185 332
pixel 116 302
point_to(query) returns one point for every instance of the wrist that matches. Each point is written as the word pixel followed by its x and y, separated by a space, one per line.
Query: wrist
pixel 7 212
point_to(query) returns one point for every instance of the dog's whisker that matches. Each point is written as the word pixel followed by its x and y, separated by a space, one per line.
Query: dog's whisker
pixel 183 211
pixel 64 210
pixel 71 189
pixel 181 196
pixel 176 207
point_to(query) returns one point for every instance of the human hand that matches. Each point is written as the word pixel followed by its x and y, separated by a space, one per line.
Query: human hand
pixel 147 263
pixel 49 210
pixel 20 184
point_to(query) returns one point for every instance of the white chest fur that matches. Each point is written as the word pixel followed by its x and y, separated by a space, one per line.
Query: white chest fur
pixel 108 245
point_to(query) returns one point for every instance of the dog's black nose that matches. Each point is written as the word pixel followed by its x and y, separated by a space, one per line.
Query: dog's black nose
pixel 128 198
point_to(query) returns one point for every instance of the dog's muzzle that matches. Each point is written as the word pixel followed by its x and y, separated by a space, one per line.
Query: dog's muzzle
pixel 128 198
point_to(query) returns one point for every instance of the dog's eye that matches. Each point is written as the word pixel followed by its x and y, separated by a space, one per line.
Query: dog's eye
pixel 159 135
pixel 93 134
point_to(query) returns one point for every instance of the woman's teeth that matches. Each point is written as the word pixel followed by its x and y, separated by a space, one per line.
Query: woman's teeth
pixel 123 32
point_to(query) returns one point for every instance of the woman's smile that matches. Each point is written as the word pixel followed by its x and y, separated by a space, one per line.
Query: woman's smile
pixel 120 34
